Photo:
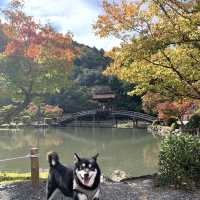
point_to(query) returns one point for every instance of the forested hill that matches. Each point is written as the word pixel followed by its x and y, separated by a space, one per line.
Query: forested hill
pixel 91 57
pixel 88 66
pixel 87 73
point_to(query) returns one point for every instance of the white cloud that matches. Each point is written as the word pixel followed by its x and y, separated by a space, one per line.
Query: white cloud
pixel 76 16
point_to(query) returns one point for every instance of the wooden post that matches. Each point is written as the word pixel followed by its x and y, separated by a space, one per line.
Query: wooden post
pixel 94 121
pixel 34 167
pixel 113 121
pixel 136 123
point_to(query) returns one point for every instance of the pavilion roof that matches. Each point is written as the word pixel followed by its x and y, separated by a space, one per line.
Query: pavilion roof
pixel 102 92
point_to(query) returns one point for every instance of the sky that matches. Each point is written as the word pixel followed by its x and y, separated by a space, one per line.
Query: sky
pixel 76 16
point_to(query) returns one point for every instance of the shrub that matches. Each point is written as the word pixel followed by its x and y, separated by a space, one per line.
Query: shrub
pixel 29 113
pixel 179 160
pixel 7 107
pixel 156 122
pixel 194 121
pixel 171 120
pixel 52 111
pixel 174 126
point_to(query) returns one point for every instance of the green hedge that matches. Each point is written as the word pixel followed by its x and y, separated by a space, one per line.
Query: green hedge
pixel 179 160
pixel 194 121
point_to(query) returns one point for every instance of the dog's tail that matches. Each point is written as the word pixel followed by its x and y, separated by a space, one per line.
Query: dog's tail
pixel 53 159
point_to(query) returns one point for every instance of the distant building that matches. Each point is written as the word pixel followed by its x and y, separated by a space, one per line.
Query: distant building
pixel 104 95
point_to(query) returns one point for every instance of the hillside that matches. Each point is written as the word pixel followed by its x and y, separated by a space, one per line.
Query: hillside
pixel 87 73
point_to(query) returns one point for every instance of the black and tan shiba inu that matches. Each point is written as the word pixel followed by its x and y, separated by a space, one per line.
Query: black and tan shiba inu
pixel 80 182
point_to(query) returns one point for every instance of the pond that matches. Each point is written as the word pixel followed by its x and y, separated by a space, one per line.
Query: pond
pixel 132 150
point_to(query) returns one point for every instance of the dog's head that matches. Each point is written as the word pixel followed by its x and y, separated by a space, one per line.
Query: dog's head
pixel 53 159
pixel 87 171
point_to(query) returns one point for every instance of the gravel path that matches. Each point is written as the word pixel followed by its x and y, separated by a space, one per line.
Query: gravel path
pixel 132 190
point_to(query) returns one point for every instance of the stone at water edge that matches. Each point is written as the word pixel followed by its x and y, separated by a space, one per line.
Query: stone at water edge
pixel 118 175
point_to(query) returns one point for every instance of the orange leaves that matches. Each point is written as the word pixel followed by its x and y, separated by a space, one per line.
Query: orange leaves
pixel 69 55
pixel 33 51
pixel 173 109
pixel 57 45
pixel 32 108
pixel 34 41
pixel 103 25
pixel 167 110
pixel 52 110
pixel 14 48
pixel 10 48
pixel 130 9
pixel 117 18
pixel 46 110
pixel 184 107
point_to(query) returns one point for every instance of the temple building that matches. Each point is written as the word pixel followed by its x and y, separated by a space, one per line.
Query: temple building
pixel 104 96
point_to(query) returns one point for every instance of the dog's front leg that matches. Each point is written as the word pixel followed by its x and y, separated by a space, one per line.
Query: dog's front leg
pixel 50 187
pixel 96 197
pixel 50 193
pixel 79 196
pixel 75 196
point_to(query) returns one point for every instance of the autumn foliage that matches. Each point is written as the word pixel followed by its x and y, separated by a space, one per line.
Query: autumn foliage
pixel 176 110
pixel 46 110
pixel 35 59
pixel 150 101
pixel 50 110
pixel 32 40
pixel 160 45
pixel 32 109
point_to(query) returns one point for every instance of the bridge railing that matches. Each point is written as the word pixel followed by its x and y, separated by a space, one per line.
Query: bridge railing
pixel 88 112
pixel 79 114
pixel 134 114
pixel 117 112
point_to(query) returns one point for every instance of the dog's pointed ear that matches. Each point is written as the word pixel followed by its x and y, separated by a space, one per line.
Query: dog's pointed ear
pixel 95 157
pixel 76 158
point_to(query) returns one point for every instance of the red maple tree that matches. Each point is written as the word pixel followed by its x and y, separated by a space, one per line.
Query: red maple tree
pixel 176 110
pixel 36 58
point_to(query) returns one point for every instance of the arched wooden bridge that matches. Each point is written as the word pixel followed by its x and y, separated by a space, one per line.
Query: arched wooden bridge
pixel 114 114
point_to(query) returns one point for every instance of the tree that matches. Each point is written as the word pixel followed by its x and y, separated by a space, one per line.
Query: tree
pixel 150 101
pixel 173 110
pixel 160 45
pixel 35 59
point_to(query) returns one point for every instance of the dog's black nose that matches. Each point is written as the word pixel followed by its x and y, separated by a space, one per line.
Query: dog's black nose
pixel 86 175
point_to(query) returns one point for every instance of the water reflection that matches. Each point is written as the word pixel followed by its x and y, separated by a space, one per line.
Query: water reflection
pixel 131 150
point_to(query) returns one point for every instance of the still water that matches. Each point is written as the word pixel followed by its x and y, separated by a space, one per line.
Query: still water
pixel 131 150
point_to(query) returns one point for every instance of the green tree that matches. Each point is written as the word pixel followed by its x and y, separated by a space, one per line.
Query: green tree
pixel 161 45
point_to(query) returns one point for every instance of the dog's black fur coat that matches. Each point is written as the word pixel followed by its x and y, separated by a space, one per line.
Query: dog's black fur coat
pixel 62 178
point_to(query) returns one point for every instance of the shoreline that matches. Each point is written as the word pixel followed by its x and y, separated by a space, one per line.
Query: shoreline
pixel 121 124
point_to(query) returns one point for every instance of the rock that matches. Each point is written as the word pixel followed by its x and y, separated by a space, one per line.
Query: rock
pixel 5 125
pixel 118 175
pixel 159 130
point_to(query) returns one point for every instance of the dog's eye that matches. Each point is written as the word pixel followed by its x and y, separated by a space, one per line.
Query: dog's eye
pixel 83 165
pixel 91 167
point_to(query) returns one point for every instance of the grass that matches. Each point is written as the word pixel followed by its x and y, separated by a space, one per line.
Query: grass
pixel 12 177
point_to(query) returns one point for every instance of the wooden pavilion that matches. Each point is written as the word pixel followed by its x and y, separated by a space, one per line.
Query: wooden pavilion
pixel 104 95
